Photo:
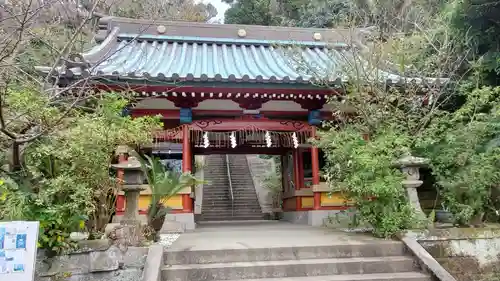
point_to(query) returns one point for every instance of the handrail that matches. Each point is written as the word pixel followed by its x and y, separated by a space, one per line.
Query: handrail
pixel 230 184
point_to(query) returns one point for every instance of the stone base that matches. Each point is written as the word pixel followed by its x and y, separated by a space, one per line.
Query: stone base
pixel 178 223
pixel 173 222
pixel 313 218
pixel 142 218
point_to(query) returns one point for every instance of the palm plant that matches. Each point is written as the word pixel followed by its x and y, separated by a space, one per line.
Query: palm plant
pixel 164 184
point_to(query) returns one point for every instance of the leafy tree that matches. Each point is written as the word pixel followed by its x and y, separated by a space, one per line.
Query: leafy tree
pixel 476 21
pixel 65 181
pixel 57 142
pixel 464 148
pixel 363 168
pixel 330 13
pixel 180 10
pixel 323 14
pixel 253 12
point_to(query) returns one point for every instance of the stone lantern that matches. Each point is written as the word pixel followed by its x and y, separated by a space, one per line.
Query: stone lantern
pixel 410 166
pixel 133 179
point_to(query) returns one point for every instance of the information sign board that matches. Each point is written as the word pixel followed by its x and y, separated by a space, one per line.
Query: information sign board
pixel 18 250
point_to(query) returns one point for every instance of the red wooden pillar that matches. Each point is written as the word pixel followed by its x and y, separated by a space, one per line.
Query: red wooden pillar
pixel 187 202
pixel 315 170
pixel 296 177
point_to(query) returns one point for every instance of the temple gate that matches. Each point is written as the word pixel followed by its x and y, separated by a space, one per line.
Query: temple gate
pixel 227 89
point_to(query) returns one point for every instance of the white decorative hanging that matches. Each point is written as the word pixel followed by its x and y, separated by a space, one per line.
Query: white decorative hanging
pixel 268 139
pixel 206 142
pixel 233 139
pixel 295 140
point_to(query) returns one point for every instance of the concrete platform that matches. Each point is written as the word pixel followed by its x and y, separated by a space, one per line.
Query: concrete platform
pixel 275 251
pixel 264 234
pixel 406 276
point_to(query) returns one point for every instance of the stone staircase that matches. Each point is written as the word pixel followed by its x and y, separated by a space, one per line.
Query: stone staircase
pixel 380 260
pixel 217 205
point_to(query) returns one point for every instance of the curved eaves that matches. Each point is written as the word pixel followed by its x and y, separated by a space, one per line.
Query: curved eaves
pixel 98 53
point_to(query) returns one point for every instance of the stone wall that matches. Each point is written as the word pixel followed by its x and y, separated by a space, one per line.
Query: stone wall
pixel 96 260
pixel 199 174
pixel 260 168
pixel 466 253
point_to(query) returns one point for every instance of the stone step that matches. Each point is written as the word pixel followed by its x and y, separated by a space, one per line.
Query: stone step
pixel 225 190
pixel 226 205
pixel 220 187
pixel 287 268
pixel 212 207
pixel 400 276
pixel 246 218
pixel 243 194
pixel 217 203
pixel 213 182
pixel 231 216
pixel 221 198
pixel 215 207
pixel 226 209
pixel 223 186
pixel 236 196
pixel 382 248
pixel 223 177
pixel 229 211
pixel 242 204
pixel 221 215
pixel 227 197
pixel 247 199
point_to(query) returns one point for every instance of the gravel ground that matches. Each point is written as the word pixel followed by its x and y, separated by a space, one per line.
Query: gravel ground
pixel 357 230
pixel 168 239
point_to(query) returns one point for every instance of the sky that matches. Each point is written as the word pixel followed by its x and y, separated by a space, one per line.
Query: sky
pixel 220 6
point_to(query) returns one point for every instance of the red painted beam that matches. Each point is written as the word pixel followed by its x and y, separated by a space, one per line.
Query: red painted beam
pixel 240 150
pixel 174 113
pixel 216 90
pixel 250 123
